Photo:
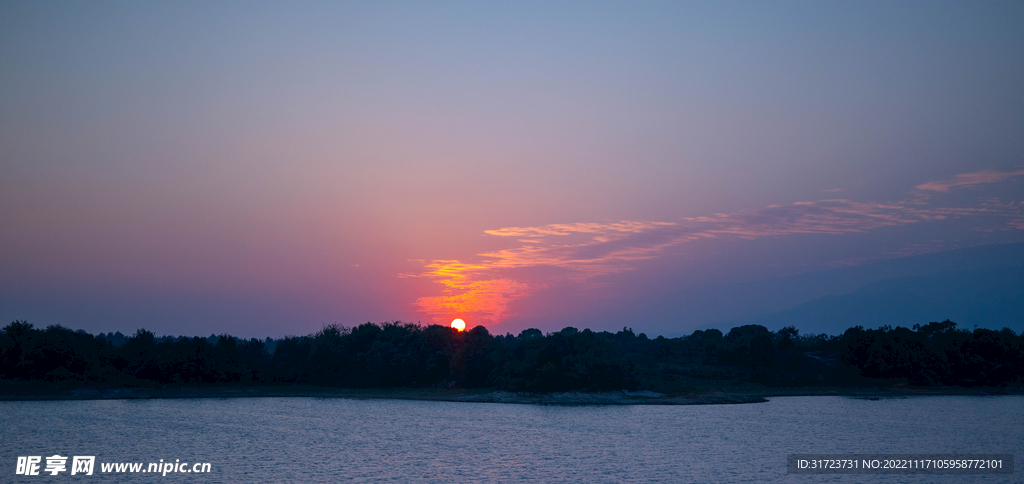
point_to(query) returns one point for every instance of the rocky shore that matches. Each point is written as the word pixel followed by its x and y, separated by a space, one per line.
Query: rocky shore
pixel 610 398
pixel 18 390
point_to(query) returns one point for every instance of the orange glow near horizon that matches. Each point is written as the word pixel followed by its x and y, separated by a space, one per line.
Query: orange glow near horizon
pixel 459 325
pixel 469 291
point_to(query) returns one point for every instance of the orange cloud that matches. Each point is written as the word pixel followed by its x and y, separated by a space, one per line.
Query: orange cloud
pixel 467 296
pixel 477 289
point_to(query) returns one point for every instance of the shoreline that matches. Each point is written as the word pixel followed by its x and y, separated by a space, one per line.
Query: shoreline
pixel 37 391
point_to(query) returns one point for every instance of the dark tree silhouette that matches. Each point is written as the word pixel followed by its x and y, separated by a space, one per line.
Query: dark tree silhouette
pixel 397 354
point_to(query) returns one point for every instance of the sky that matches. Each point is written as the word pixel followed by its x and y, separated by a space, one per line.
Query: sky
pixel 267 168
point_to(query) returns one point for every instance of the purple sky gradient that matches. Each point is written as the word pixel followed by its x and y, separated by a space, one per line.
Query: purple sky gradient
pixel 266 168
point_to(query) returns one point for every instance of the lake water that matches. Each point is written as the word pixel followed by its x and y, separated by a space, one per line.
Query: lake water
pixel 331 440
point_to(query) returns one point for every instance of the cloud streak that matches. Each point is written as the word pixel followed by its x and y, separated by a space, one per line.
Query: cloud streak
pixel 969 179
pixel 578 253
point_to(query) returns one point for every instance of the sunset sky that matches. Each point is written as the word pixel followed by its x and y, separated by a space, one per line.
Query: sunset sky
pixel 263 169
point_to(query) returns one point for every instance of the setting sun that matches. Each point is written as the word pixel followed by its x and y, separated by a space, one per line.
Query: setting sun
pixel 459 325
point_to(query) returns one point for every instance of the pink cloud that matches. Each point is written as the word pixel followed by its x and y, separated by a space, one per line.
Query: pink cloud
pixel 969 179
pixel 488 288
pixel 623 227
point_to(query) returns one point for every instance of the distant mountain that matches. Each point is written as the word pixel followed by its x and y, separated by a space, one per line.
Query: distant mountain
pixel 988 298
pixel 884 292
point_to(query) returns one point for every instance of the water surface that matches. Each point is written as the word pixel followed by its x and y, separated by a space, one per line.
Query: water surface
pixel 330 440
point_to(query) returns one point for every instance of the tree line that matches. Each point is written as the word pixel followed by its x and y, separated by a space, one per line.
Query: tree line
pixel 397 354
